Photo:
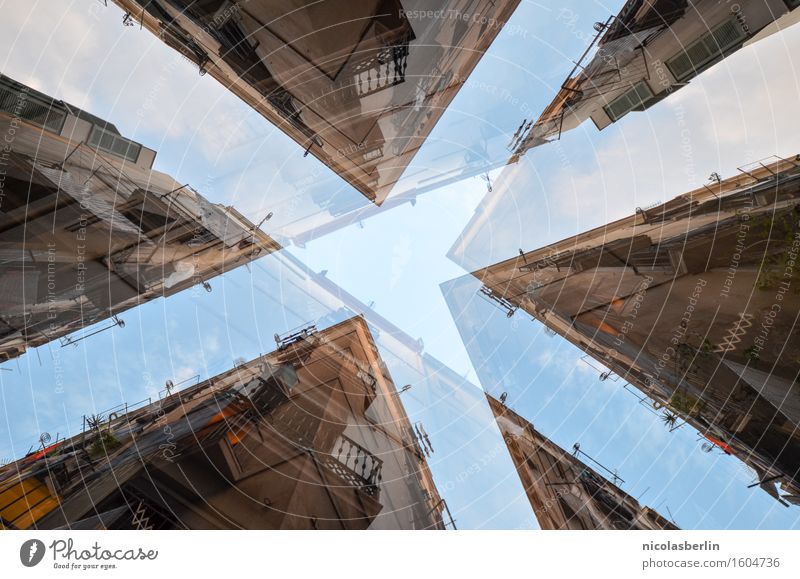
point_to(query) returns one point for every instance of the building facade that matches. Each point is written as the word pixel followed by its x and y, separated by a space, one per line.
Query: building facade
pixel 88 229
pixel 564 492
pixel 310 436
pixel 359 85
pixel 650 49
pixel 695 303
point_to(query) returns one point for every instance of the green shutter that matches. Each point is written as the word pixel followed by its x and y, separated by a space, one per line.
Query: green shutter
pixel 707 49
pixel 114 144
pixel 634 98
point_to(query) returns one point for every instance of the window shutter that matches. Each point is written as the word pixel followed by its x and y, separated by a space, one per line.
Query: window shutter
pixel 727 35
pixel 114 144
pixel 30 108
pixel 708 48
pixel 634 98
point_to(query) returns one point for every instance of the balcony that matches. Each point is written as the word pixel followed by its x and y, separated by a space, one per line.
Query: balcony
pixel 352 463
pixel 387 68
pixel 355 465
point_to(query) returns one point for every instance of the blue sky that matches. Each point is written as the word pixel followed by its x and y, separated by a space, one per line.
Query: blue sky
pixel 739 111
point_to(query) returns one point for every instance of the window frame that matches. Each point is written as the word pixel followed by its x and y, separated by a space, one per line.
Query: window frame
pixel 698 67
pixel 95 140
pixel 643 102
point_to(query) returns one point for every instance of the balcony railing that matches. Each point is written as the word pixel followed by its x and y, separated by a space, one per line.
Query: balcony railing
pixel 350 461
pixel 356 465
pixel 385 70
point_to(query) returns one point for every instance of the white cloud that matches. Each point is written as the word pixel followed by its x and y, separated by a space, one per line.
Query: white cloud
pixel 740 111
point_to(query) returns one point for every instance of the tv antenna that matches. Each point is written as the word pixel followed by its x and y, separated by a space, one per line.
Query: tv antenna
pixel 93 421
pixel 169 385
pixel 263 221
pixel 69 340
pixel 423 439
pixel 576 450
pixel 485 177
pixel 488 294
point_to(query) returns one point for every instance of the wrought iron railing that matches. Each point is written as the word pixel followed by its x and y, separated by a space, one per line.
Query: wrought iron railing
pixel 387 68
pixel 356 465
pixel 351 462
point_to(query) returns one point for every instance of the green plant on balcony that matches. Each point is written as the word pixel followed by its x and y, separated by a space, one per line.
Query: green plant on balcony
pixel 751 355
pixel 103 444
pixel 670 419
pixel 779 233
pixel 684 403
pixel 687 355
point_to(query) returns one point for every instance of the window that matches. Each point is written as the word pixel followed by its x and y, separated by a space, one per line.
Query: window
pixel 200 237
pixel 24 185
pixel 572 520
pixel 636 98
pixel 147 221
pixel 708 49
pixel 532 466
pixel 373 154
pixel 192 234
pixel 115 144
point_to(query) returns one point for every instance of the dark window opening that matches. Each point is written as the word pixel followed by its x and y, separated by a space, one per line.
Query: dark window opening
pixel 147 221
pixel 23 185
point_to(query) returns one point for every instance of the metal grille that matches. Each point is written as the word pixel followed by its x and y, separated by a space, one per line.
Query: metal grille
pixel 114 144
pixel 633 99
pixel 30 108
pixel 708 48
